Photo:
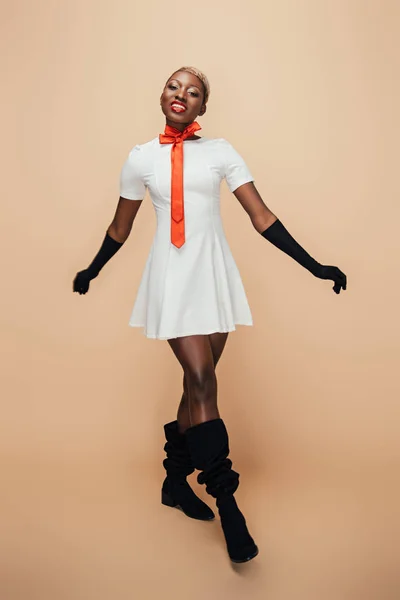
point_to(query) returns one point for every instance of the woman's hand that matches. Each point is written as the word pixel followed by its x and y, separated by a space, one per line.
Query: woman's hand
pixel 81 281
pixel 333 273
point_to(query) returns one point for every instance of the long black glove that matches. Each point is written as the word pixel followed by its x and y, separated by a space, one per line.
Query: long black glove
pixel 278 235
pixel 108 248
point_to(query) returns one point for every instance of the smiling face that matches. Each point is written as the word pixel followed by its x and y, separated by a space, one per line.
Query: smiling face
pixel 184 90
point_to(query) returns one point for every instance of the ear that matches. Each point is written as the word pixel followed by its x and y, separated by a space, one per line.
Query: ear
pixel 203 110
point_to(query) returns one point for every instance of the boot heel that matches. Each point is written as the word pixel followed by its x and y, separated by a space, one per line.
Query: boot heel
pixel 167 500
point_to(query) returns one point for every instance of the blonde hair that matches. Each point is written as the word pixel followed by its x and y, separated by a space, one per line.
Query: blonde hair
pixel 201 76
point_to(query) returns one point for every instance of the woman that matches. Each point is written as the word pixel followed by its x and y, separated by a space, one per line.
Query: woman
pixel 191 293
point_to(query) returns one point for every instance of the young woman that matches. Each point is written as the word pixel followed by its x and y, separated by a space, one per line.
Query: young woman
pixel 191 293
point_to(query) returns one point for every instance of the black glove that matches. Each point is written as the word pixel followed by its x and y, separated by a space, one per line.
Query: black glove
pixel 108 248
pixel 278 235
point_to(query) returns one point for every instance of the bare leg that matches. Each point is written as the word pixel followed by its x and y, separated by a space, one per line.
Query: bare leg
pixel 183 416
pixel 217 341
pixel 198 356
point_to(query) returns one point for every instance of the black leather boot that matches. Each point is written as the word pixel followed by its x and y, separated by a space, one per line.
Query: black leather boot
pixel 209 448
pixel 176 491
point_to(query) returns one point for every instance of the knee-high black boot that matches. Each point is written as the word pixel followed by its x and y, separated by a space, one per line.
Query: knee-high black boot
pixel 176 491
pixel 209 448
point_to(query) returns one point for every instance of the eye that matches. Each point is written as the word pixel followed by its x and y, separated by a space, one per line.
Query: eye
pixel 172 86
pixel 195 94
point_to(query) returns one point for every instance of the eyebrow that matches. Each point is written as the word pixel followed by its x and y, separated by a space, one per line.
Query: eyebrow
pixel 181 83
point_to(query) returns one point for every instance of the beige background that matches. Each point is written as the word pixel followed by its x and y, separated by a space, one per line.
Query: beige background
pixel 308 93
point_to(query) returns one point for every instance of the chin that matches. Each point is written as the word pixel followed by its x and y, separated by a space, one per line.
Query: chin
pixel 178 117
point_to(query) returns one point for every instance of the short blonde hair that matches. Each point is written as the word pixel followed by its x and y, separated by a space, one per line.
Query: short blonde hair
pixel 201 76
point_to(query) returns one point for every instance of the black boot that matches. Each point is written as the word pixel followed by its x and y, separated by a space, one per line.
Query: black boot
pixel 176 491
pixel 209 448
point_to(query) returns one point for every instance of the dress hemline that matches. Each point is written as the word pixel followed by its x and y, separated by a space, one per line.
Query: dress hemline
pixel 154 337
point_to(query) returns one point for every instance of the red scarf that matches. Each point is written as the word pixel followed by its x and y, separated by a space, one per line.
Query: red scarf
pixel 175 137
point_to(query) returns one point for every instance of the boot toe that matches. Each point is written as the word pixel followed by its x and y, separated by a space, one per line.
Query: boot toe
pixel 184 498
pixel 203 513
pixel 194 507
pixel 245 554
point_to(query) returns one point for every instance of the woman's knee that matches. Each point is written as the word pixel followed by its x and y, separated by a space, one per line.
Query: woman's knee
pixel 201 384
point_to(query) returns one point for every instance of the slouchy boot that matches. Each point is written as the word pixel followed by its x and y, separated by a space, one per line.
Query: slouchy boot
pixel 176 491
pixel 209 448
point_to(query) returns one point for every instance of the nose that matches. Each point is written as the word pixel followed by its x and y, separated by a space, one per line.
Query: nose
pixel 180 98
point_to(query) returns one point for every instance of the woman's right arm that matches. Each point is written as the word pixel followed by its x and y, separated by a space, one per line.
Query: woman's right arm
pixel 116 235
pixel 124 217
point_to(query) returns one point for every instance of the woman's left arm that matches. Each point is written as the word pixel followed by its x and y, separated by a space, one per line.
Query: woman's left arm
pixel 272 229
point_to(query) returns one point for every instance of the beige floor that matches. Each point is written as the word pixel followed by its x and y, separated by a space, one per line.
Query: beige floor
pixel 82 531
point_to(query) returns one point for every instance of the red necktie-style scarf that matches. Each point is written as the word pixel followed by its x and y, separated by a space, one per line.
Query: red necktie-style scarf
pixel 175 137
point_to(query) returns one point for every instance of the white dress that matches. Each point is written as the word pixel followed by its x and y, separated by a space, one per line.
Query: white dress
pixel 195 289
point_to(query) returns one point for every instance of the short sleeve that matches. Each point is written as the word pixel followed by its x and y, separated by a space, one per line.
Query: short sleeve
pixel 236 171
pixel 131 184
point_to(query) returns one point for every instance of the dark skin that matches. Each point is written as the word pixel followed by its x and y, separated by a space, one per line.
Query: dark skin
pixel 197 354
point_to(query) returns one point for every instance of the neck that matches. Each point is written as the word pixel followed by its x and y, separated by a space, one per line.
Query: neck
pixel 180 126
